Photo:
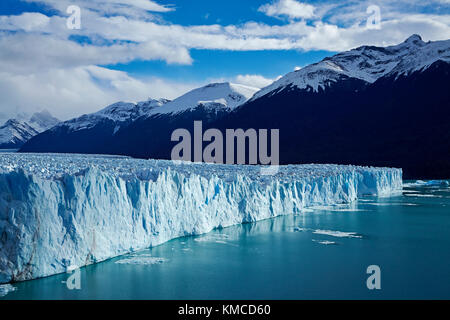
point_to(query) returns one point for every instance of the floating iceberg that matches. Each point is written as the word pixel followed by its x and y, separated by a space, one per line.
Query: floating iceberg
pixel 58 211
pixel 431 183
pixel 141 259
pixel 337 234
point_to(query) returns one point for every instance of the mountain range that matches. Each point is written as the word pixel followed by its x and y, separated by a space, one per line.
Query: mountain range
pixel 15 132
pixel 141 130
pixel 377 106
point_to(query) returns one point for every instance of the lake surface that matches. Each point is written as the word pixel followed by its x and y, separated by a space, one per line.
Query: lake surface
pixel 322 254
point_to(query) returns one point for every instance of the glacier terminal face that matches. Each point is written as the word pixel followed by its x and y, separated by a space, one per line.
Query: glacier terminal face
pixel 60 210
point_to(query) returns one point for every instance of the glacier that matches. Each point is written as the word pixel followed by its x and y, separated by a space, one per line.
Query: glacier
pixel 58 211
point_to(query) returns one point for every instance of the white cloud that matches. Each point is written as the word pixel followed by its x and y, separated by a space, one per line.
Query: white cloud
pixel 120 39
pixel 24 53
pixel 253 80
pixel 290 8
pixel 41 65
pixel 126 7
pixel 74 91
pixel 28 21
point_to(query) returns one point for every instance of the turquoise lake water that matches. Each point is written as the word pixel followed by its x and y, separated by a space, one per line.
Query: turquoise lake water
pixel 322 254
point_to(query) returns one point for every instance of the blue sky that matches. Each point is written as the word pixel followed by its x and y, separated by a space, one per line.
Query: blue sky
pixel 134 49
pixel 218 64
pixel 215 64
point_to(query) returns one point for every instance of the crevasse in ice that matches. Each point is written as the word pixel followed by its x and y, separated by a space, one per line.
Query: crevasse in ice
pixel 73 210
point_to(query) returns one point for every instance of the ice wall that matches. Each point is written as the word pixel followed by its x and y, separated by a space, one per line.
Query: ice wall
pixel 57 211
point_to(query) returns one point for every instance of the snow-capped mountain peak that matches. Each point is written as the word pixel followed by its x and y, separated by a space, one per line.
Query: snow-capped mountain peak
pixel 415 39
pixel 122 111
pixel 367 63
pixel 118 112
pixel 15 132
pixel 43 120
pixel 220 95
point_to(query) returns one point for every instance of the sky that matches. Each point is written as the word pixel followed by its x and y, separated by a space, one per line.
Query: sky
pixel 131 50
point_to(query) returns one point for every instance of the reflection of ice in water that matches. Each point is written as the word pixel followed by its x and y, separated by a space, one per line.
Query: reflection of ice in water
pixel 325 242
pixel 423 195
pixel 388 204
pixel 5 289
pixel 214 237
pixel 142 259
pixel 351 207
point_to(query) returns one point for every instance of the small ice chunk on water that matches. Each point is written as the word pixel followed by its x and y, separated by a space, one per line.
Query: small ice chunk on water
pixel 6 289
pixel 431 183
pixel 331 233
pixel 143 259
pixel 337 234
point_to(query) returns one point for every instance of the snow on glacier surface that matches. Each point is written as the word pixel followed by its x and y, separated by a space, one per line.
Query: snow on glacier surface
pixel 60 210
